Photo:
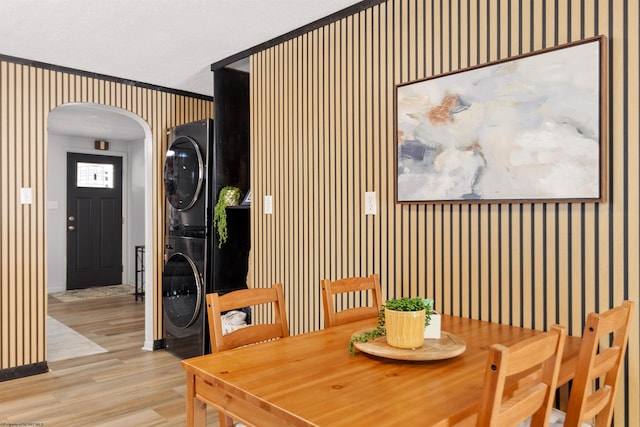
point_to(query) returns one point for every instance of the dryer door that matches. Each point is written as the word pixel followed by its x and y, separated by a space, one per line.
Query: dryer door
pixel 181 290
pixel 183 173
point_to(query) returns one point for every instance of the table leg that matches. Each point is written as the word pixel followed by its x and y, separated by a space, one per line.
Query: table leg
pixel 196 410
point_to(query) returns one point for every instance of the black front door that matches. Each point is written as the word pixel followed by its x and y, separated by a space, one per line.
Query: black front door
pixel 94 220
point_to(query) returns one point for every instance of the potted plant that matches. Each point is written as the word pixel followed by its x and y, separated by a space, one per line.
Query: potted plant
pixel 405 320
pixel 229 196
pixel 402 320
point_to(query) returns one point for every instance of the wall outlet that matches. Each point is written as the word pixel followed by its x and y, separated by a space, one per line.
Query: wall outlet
pixel 26 196
pixel 370 207
pixel 268 205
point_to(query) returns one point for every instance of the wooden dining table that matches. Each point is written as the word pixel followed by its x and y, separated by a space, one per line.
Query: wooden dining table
pixel 312 380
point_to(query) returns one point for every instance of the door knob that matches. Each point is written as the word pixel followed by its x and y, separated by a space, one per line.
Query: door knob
pixel 72 218
pixel 71 227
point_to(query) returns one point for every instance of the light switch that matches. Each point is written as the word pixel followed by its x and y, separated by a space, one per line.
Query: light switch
pixel 26 197
pixel 370 207
pixel 268 205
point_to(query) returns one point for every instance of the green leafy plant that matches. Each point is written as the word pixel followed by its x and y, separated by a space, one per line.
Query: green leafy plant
pixel 369 335
pixel 229 196
pixel 408 304
pixel 396 304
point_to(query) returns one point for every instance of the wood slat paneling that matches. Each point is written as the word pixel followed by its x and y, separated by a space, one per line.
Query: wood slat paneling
pixel 322 135
pixel 27 95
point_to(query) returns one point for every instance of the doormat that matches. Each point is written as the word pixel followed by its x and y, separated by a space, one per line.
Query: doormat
pixel 93 293
pixel 64 343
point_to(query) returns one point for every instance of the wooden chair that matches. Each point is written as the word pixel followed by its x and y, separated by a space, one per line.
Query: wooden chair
pixel 604 343
pixel 252 334
pixel 352 284
pixel 520 380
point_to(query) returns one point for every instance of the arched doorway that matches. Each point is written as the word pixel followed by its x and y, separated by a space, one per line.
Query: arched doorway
pixel 74 127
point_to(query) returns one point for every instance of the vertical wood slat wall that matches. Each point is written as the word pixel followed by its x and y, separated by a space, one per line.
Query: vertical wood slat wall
pixel 27 95
pixel 322 135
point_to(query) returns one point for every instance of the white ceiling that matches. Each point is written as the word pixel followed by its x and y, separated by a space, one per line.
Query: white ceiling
pixel 168 43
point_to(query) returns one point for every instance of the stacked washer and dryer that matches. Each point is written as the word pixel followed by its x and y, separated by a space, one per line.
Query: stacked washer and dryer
pixel 184 283
pixel 202 159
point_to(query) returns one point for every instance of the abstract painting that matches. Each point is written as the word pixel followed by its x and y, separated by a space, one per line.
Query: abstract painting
pixel 527 128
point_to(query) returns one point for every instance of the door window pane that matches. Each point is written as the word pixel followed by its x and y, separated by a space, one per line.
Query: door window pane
pixel 94 175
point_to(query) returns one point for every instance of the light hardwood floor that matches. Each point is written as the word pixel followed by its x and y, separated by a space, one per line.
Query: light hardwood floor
pixel 124 387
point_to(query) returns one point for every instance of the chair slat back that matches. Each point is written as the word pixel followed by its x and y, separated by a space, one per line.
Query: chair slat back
pixel 217 305
pixel 520 380
pixel 352 284
pixel 604 343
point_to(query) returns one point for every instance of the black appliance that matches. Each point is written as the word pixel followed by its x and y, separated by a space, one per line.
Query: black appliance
pixel 185 181
pixel 184 284
pixel 183 295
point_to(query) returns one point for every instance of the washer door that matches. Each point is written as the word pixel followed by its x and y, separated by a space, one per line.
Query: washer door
pixel 181 290
pixel 183 173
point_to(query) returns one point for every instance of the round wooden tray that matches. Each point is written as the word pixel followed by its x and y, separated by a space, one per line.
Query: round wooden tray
pixel 446 347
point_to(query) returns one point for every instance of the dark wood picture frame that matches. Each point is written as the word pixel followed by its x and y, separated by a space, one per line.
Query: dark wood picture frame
pixel 528 128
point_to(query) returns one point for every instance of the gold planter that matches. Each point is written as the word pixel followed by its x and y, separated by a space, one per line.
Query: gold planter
pixel 405 329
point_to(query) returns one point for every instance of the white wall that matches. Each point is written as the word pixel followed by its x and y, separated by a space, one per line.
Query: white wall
pixel 134 219
pixel 132 153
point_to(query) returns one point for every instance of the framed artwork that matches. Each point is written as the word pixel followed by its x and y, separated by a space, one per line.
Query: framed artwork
pixel 523 129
